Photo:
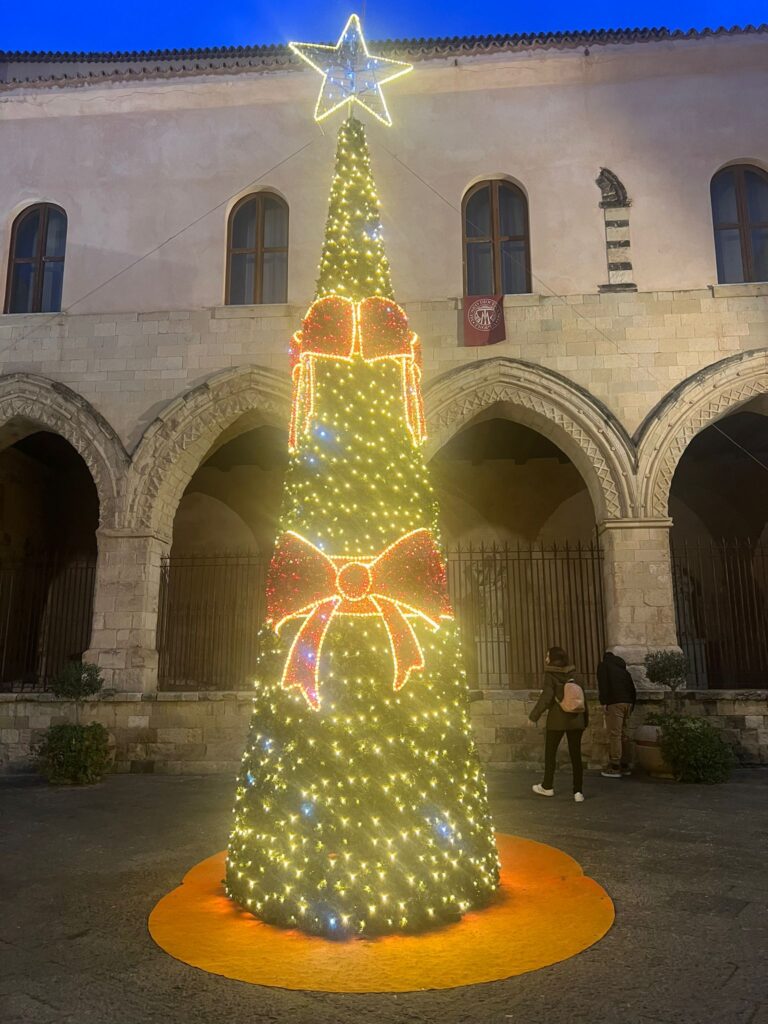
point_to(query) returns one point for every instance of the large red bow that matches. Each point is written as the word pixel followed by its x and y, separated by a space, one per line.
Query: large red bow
pixel 406 579
pixel 338 328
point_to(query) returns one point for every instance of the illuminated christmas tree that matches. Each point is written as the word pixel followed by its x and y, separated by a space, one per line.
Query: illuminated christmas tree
pixel 361 807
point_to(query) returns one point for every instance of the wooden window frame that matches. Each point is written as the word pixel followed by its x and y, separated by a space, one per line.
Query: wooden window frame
pixel 743 224
pixel 495 238
pixel 260 249
pixel 39 259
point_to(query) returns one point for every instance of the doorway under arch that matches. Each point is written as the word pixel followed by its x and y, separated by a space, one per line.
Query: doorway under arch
pixel 524 566
pixel 49 513
pixel 212 599
pixel 719 507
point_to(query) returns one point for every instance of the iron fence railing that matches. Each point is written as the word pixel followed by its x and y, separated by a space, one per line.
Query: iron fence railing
pixel 721 604
pixel 211 610
pixel 515 601
pixel 46 612
pixel 512 602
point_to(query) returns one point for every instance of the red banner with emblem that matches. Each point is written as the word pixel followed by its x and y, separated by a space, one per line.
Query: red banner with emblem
pixel 483 320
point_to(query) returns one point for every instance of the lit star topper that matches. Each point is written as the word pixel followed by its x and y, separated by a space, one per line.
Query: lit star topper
pixel 350 73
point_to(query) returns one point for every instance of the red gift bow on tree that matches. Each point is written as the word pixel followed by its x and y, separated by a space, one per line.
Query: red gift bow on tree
pixel 406 579
pixel 338 328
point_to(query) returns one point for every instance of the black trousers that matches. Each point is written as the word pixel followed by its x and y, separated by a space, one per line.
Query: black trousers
pixel 553 738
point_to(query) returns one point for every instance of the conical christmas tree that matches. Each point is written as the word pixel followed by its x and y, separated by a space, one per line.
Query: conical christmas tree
pixel 361 808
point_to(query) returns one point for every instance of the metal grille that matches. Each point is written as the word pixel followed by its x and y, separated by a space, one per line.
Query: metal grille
pixel 46 613
pixel 512 603
pixel 211 611
pixel 721 604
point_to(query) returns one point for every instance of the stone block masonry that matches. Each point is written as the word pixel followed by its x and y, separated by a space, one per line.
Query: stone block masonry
pixel 619 381
pixel 628 350
pixel 205 733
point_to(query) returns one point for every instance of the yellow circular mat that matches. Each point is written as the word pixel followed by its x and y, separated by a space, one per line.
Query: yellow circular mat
pixel 546 910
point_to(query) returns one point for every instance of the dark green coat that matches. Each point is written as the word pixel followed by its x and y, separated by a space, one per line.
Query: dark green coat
pixel 555 679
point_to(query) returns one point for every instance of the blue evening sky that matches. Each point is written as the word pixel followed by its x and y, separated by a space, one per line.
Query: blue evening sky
pixel 160 24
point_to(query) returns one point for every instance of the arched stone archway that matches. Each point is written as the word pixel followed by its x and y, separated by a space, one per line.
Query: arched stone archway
pixel 576 422
pixel 62 471
pixel 167 456
pixel 29 402
pixel 695 404
pixel 175 444
pixel 707 480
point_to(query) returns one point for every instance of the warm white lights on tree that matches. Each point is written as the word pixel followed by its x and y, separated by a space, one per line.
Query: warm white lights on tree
pixel 361 808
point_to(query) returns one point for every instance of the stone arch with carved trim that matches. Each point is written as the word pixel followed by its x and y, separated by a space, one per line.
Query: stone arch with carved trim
pixel 584 429
pixel 691 407
pixel 29 402
pixel 178 440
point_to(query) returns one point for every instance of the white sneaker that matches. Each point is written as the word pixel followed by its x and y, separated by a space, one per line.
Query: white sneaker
pixel 541 791
pixel 579 798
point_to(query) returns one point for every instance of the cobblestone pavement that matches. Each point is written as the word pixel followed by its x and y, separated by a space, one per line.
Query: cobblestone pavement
pixel 80 869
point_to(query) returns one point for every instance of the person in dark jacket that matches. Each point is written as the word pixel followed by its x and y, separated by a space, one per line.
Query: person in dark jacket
pixel 617 693
pixel 559 671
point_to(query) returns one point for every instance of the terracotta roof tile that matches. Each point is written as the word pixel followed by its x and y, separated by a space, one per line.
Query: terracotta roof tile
pixel 183 62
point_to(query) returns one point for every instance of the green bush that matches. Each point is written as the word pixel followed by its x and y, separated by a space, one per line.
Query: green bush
pixel 667 668
pixel 693 748
pixel 77 681
pixel 74 754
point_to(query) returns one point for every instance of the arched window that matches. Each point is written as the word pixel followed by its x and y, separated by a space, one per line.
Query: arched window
pixel 740 218
pixel 497 257
pixel 257 250
pixel 36 265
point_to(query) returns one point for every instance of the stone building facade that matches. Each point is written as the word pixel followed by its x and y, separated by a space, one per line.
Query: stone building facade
pixel 618 361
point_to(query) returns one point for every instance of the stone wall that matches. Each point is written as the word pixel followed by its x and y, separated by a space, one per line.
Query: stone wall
pixel 503 737
pixel 196 733
pixel 170 733
pixel 626 350
pixel 619 383
pixel 137 159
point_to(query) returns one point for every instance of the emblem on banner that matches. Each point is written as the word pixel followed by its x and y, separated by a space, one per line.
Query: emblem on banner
pixel 484 319
pixel 484 314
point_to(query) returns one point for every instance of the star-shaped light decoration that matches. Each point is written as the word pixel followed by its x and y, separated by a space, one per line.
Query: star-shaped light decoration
pixel 350 73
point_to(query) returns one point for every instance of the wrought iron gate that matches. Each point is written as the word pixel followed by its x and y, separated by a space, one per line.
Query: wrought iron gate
pixel 46 612
pixel 721 604
pixel 512 602
pixel 211 611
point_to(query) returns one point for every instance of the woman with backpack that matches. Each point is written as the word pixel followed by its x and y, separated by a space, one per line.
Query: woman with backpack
pixel 567 714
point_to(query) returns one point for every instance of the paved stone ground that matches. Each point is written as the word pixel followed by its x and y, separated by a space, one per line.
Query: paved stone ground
pixel 80 869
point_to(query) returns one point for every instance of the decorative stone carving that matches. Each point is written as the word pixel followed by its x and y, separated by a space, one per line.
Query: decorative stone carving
pixel 598 445
pixel 618 252
pixel 695 405
pixel 613 192
pixel 50 405
pixel 175 444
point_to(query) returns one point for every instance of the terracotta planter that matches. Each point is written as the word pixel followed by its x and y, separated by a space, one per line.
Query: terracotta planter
pixel 648 752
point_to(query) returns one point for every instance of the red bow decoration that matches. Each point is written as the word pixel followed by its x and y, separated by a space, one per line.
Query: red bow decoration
pixel 406 579
pixel 338 328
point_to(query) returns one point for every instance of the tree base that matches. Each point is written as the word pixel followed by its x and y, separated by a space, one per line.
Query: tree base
pixel 546 910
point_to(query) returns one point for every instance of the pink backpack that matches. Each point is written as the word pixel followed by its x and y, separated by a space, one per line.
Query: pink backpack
pixel 573 697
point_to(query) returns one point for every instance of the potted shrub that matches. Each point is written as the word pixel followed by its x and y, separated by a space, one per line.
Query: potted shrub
pixel 72 753
pixel 668 669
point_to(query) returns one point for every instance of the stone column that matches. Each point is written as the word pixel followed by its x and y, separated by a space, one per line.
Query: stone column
pixel 637 583
pixel 126 600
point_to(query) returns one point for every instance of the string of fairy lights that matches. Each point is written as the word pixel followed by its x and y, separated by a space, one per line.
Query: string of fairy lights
pixel 361 808
pixel 353 261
